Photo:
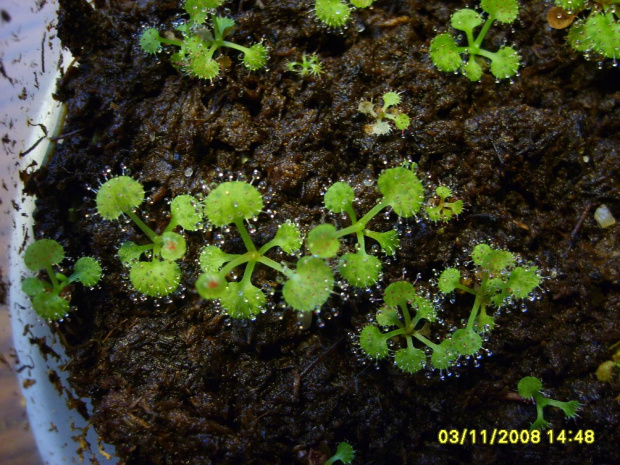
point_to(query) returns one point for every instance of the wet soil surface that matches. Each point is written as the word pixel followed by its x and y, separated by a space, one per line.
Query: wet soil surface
pixel 175 382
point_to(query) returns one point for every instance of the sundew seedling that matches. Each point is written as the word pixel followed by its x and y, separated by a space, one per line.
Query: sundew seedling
pixel 496 281
pixel 440 209
pixel 310 65
pixel 306 288
pixel 402 192
pixel 594 26
pixel 158 275
pixel 446 54
pixel 399 297
pixel 46 296
pixel 199 42
pixel 344 454
pixel 336 13
pixel 530 387
pixel 384 114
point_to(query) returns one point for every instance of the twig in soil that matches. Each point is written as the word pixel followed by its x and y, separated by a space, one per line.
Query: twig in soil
pixel 573 234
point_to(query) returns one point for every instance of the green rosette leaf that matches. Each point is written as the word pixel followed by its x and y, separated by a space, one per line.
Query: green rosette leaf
pixel 390 99
pixel 309 286
pixel 242 300
pixel 32 286
pixel 444 356
pixel 410 359
pixel 449 279
pixel 360 269
pixel 119 195
pixel 212 258
pixel 466 341
pixel 505 62
pixel 255 57
pixel 402 190
pixel 333 13
pixel 156 278
pixel 232 201
pixel 572 5
pixel 187 212
pixel 472 69
pixel 211 285
pixel 199 9
pixel 130 252
pixel 387 316
pixel 323 241
pixel 388 240
pixel 50 306
pixel 338 197
pixel 223 26
pixel 424 308
pixel 402 121
pixel 87 270
pixel 604 34
pixel 399 293
pixel 373 342
pixel 466 20
pixel 445 53
pixel 173 246
pixel 491 259
pixel 522 281
pixel 529 386
pixel 150 41
pixel 42 254
pixel 504 11
pixel 288 237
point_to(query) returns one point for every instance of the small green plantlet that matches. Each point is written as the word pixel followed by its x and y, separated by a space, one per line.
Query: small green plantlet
pixel 597 28
pixel 307 287
pixel 386 112
pixel 199 43
pixel 344 453
pixel 159 275
pixel 402 191
pixel 500 281
pixel 309 66
pixel 446 53
pixel 398 297
pixel 46 296
pixel 336 13
pixel 438 209
pixel 530 388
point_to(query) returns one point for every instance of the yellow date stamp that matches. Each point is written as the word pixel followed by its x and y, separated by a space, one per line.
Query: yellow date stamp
pixel 514 436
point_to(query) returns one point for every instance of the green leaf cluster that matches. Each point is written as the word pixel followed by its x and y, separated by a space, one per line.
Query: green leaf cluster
pixel 498 279
pixel 336 13
pixel 446 54
pixel 402 191
pixel 439 209
pixel 530 387
pixel 46 296
pixel 201 37
pixel 388 111
pixel 399 297
pixel 597 29
pixel 310 65
pixel 306 288
pixel 153 270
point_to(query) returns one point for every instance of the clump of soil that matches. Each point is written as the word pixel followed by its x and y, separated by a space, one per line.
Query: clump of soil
pixel 175 381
